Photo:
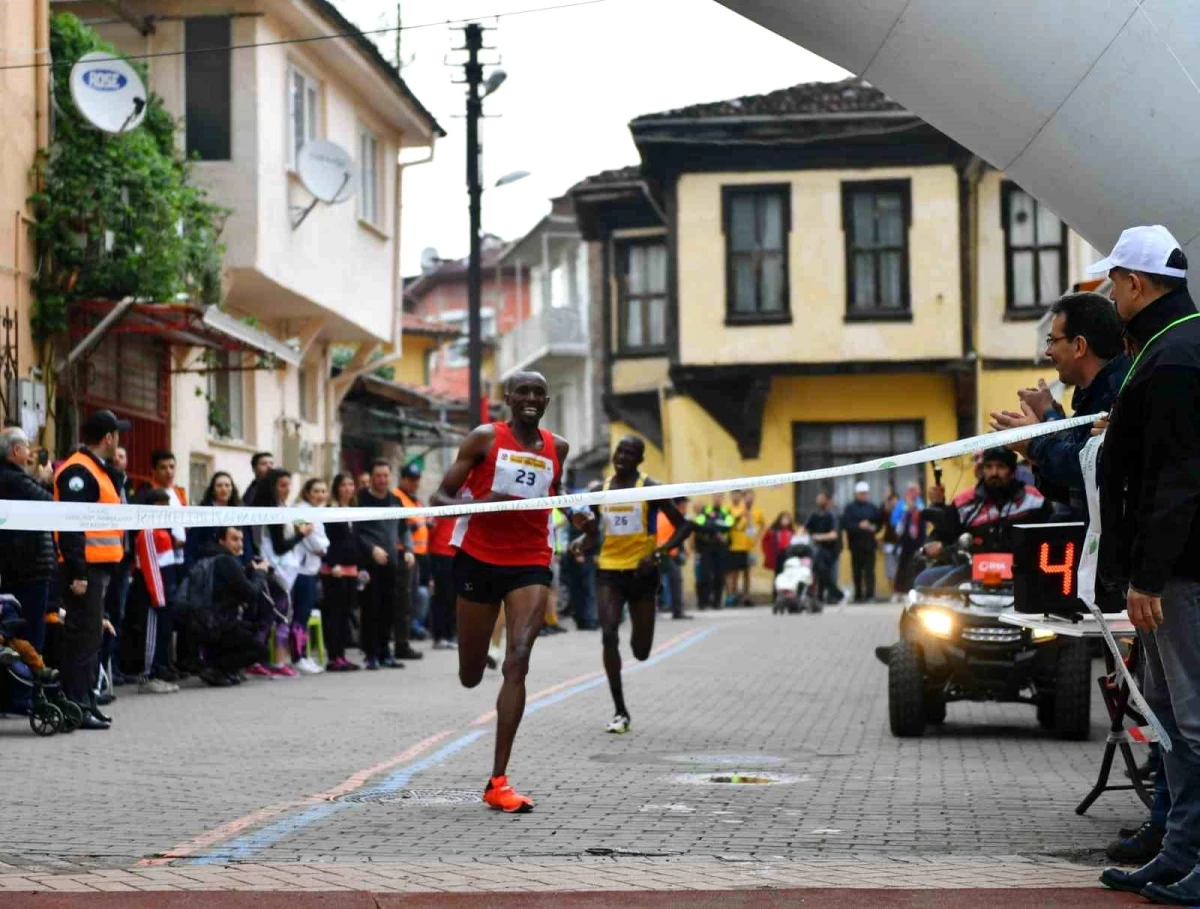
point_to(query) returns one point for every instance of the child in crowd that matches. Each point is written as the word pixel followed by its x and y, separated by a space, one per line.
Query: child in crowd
pixel 154 550
pixel 13 648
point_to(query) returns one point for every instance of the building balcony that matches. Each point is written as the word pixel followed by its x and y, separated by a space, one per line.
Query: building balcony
pixel 552 338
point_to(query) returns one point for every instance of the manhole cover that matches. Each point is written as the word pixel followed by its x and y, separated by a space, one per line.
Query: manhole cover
pixel 737 778
pixel 417 798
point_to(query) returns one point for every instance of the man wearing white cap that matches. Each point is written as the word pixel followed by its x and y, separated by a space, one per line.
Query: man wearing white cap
pixel 1150 512
pixel 862 520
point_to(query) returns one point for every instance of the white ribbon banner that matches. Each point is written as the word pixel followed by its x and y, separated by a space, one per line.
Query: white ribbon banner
pixel 73 516
pixel 1088 563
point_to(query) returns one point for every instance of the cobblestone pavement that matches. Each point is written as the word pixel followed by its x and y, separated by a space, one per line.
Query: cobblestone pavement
pixel 370 781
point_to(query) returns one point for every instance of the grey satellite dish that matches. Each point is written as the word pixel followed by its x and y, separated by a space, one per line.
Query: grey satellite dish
pixel 108 92
pixel 429 259
pixel 327 172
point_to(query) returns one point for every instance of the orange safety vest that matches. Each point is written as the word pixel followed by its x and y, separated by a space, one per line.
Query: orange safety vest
pixel 102 547
pixel 418 527
pixel 664 530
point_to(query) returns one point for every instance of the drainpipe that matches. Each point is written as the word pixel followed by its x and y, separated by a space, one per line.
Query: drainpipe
pixel 969 177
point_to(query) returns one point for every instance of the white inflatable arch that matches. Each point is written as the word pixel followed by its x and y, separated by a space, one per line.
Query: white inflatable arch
pixel 1093 106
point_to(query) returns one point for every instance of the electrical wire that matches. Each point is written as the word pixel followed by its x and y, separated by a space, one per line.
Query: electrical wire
pixel 355 34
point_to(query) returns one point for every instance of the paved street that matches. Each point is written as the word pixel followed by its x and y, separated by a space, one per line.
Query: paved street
pixel 288 785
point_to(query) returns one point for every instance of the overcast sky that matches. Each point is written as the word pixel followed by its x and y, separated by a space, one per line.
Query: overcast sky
pixel 576 77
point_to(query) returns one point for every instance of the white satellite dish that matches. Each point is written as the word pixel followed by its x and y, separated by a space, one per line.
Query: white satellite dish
pixel 327 171
pixel 108 92
pixel 429 259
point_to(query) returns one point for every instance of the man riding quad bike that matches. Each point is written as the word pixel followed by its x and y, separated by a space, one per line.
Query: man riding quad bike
pixel 952 644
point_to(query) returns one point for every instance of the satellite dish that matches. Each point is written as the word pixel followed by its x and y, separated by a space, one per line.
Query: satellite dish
pixel 327 171
pixel 108 92
pixel 429 259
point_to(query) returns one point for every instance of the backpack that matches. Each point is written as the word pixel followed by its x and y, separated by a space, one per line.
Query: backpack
pixel 195 593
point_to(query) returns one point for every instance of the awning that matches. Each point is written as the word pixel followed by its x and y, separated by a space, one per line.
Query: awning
pixel 180 324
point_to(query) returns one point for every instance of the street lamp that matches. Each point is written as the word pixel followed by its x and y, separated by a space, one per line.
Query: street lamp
pixel 494 81
pixel 511 178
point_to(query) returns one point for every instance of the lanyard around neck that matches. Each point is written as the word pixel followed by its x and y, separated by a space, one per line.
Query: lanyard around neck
pixel 1146 346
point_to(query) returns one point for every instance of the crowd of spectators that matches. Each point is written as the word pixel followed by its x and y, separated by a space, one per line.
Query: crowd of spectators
pixel 150 609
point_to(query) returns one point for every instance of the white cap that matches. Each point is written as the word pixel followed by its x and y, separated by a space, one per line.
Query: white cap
pixel 1148 249
pixel 862 486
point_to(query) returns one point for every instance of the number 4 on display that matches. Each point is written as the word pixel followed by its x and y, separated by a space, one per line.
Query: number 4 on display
pixel 1066 567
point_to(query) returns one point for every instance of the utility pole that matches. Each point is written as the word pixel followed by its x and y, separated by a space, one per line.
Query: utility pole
pixel 474 72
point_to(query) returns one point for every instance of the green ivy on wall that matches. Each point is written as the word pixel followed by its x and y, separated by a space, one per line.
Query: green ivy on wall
pixel 117 216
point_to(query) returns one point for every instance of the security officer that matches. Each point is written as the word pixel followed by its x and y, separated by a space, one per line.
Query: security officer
pixel 88 560
pixel 418 531
pixel 713 524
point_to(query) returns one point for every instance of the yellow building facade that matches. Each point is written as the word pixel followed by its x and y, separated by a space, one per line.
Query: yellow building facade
pixel 812 278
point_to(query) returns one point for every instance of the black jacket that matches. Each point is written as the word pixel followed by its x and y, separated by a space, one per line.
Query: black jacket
pixel 344 546
pixel 388 535
pixel 1150 482
pixel 1059 475
pixel 25 555
pixel 234 585
pixel 858 539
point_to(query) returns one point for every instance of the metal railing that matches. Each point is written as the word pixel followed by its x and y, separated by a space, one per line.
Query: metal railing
pixel 560 332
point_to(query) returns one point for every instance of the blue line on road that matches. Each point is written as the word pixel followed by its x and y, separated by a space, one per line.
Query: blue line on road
pixel 244 847
pixel 603 680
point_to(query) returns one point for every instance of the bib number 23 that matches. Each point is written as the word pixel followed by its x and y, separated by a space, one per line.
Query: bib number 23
pixel 523 474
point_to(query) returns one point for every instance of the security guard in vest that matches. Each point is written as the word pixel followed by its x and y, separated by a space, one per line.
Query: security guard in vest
pixel 88 561
pixel 418 530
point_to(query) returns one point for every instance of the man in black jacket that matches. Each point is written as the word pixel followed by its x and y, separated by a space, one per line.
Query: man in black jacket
pixel 1150 514
pixel 862 520
pixel 240 603
pixel 27 558
pixel 1085 346
pixel 385 602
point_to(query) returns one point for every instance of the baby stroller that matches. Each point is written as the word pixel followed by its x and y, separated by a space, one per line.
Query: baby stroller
pixel 51 711
pixel 795 590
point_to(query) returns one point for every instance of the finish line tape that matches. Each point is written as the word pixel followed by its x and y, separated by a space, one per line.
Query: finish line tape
pixel 72 516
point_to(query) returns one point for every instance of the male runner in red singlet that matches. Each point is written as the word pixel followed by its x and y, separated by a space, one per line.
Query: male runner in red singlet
pixel 504 557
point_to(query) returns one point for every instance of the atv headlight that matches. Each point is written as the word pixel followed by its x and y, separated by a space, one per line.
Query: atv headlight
pixel 1041 635
pixel 937 622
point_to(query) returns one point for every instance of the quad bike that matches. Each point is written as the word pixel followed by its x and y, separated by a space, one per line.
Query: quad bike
pixel 953 647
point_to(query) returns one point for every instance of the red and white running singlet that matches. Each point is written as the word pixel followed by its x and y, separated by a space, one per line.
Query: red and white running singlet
pixel 511 537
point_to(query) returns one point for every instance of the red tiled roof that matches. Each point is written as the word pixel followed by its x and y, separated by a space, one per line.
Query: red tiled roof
pixel 423 326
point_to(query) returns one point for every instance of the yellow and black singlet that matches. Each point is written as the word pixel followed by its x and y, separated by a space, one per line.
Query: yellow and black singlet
pixel 628 534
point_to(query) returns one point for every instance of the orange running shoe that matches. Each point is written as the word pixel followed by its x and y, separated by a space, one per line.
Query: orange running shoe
pixel 503 797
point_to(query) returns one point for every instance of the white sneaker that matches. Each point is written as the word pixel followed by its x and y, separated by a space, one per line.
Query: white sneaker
pixel 157 686
pixel 305 666
pixel 619 726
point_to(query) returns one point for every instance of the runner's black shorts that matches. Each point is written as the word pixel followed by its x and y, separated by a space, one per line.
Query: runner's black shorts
pixel 482 582
pixel 634 586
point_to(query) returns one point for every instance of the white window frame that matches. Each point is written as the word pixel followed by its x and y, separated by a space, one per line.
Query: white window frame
pixel 456 352
pixel 370 208
pixel 312 125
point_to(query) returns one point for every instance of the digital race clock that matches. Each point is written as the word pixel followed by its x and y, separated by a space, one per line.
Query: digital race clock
pixel 1046 568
